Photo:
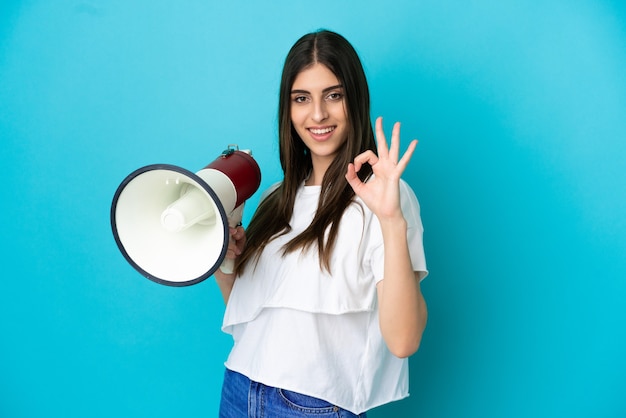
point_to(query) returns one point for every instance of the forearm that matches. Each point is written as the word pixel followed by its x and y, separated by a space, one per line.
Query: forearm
pixel 403 310
pixel 225 283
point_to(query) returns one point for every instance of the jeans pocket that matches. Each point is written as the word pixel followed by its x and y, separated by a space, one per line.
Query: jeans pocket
pixel 306 403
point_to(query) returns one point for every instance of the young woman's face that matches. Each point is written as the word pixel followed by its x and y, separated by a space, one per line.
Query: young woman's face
pixel 319 114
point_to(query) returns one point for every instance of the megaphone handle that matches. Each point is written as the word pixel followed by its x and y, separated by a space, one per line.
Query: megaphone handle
pixel 234 220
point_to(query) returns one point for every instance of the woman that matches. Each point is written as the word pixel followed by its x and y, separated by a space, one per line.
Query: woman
pixel 325 304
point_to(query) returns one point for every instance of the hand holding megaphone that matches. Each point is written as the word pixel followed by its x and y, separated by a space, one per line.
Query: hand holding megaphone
pixel 234 220
pixel 172 225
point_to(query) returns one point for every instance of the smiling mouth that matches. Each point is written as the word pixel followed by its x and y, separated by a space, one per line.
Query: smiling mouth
pixel 321 131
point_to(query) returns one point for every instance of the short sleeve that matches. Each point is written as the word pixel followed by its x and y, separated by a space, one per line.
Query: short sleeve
pixel 269 190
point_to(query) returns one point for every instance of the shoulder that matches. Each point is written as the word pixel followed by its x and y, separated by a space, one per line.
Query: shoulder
pixel 407 194
pixel 410 205
pixel 270 190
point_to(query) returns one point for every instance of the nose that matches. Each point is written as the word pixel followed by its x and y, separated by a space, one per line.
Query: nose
pixel 319 111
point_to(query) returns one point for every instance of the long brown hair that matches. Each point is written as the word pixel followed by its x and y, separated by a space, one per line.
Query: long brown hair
pixel 271 218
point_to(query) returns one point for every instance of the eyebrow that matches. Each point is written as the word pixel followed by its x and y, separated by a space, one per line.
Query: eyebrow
pixel 338 86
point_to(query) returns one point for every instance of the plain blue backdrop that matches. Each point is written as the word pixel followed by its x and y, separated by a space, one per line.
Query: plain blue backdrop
pixel 520 110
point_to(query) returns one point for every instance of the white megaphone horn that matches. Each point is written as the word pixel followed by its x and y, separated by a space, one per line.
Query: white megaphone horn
pixel 171 225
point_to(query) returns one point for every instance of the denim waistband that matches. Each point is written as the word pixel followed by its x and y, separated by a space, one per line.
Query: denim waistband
pixel 245 398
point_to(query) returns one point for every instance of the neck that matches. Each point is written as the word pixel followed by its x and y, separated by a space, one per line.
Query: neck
pixel 317 173
pixel 313 180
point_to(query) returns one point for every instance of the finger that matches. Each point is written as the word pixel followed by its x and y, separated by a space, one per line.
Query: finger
pixel 365 157
pixel 240 239
pixel 394 149
pixel 406 157
pixel 380 138
pixel 236 242
pixel 232 251
pixel 235 247
pixel 237 233
pixel 350 172
pixel 353 180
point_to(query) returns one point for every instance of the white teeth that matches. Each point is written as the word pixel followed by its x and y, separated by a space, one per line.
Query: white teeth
pixel 321 131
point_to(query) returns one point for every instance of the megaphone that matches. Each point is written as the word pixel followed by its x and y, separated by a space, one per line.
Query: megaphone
pixel 171 225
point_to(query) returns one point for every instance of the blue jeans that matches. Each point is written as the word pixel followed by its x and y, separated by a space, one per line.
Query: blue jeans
pixel 244 398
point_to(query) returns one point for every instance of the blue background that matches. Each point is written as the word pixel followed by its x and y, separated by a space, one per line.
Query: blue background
pixel 520 110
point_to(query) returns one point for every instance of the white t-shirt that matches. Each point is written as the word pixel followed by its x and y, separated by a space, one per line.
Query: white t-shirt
pixel 299 328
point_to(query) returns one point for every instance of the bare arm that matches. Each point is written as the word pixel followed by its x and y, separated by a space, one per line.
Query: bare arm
pixel 402 307
pixel 403 311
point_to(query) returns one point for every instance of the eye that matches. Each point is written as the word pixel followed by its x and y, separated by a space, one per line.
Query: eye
pixel 335 96
pixel 299 99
